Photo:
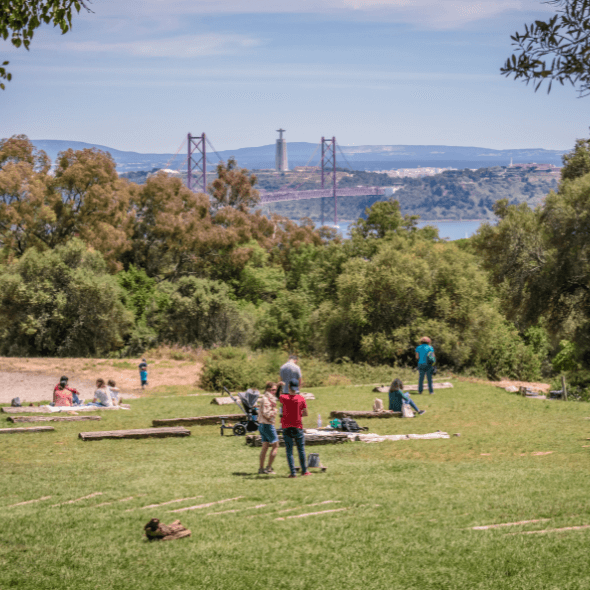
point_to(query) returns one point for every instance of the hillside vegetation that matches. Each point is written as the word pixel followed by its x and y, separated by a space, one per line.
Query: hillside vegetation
pixel 92 264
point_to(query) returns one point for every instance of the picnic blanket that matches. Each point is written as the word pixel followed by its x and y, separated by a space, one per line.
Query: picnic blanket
pixel 373 438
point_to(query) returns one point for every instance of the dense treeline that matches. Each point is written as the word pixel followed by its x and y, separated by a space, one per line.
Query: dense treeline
pixel 93 264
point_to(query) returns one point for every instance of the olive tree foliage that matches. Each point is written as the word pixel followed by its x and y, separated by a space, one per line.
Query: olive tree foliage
pixel 61 302
pixel 557 50
pixel 19 19
pixel 233 187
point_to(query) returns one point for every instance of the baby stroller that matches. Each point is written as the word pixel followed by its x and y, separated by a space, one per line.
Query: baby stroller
pixel 246 401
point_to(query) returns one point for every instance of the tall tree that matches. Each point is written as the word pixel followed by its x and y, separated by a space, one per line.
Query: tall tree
pixel 557 50
pixel 19 19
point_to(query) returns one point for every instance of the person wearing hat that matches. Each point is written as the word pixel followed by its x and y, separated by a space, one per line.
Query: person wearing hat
pixel 294 408
pixel 143 373
pixel 64 395
pixel 423 367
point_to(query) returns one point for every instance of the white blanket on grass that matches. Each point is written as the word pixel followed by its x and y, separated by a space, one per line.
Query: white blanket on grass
pixel 54 409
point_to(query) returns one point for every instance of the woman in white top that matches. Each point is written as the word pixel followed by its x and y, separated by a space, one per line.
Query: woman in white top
pixel 102 397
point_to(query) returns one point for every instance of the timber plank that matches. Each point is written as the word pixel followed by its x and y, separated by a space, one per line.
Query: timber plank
pixel 357 414
pixel 254 440
pixel 51 418
pixel 136 433
pixel 201 420
pixel 27 429
pixel 42 410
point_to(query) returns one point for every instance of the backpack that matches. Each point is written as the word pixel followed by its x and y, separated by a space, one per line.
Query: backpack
pixel 350 425
pixel 430 358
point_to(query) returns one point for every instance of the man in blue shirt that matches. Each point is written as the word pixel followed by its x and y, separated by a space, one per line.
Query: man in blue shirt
pixel 289 371
pixel 423 367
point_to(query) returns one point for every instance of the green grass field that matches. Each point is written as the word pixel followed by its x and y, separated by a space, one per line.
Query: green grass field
pixel 409 505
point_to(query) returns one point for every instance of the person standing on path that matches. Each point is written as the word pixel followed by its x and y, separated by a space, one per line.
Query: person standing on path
pixel 294 408
pixel 143 373
pixel 289 371
pixel 266 427
pixel 424 367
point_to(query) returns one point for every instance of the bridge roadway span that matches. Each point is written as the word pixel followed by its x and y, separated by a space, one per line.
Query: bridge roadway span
pixel 359 191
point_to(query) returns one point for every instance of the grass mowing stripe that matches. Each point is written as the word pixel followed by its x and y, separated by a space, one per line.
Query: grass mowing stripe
pixel 311 513
pixel 163 503
pixel 199 506
pixel 236 510
pixel 29 502
pixel 566 528
pixel 113 502
pixel 309 506
pixel 77 499
pixel 495 526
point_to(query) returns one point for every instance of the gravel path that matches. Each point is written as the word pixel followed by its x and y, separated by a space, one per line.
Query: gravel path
pixel 35 387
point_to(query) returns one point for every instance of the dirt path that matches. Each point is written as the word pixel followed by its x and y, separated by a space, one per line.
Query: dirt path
pixel 33 379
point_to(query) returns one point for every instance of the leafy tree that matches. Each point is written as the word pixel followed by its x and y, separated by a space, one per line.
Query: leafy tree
pixel 556 50
pixel 196 311
pixel 83 197
pixel 577 162
pixel 61 302
pixel 233 187
pixel 20 18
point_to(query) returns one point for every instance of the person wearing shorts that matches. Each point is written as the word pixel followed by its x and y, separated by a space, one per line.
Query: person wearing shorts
pixel 143 373
pixel 266 427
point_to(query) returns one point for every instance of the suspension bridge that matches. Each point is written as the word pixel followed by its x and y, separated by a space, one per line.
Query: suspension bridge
pixel 197 175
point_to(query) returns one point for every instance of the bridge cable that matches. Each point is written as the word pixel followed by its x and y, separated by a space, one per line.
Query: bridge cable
pixel 214 150
pixel 342 154
pixel 176 154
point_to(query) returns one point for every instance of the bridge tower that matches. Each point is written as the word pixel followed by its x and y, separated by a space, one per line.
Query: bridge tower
pixel 197 163
pixel 329 172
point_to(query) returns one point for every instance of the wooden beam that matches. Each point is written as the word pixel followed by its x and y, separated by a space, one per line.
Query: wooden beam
pixel 355 414
pixel 27 429
pixel 254 440
pixel 200 420
pixel 222 401
pixel 44 410
pixel 51 418
pixel 137 433
pixel 385 388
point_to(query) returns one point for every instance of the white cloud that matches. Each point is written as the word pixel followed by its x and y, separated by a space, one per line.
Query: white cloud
pixel 177 47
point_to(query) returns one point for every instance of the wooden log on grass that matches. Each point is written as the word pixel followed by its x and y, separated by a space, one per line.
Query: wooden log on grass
pixel 335 438
pixel 137 433
pixel 27 429
pixel 197 420
pixel 45 410
pixel 356 414
pixel 222 401
pixel 51 418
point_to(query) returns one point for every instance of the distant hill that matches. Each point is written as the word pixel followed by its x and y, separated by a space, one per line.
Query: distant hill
pixel 367 157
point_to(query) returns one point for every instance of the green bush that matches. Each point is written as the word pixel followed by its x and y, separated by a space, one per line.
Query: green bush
pixel 240 368
pixel 61 302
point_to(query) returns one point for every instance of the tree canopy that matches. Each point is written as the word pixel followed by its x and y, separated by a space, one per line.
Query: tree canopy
pixel 557 50
pixel 19 19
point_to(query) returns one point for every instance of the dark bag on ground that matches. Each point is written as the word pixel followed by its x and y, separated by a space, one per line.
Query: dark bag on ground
pixel 15 403
pixel 349 425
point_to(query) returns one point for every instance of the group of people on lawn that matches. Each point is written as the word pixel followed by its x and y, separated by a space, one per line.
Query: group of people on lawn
pixel 106 394
pixel 294 408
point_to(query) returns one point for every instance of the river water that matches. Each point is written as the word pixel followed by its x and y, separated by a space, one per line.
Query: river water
pixel 451 230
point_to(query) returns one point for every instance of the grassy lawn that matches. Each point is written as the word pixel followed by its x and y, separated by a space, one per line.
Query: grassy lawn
pixel 410 505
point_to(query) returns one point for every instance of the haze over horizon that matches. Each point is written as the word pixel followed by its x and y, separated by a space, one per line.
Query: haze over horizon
pixel 139 76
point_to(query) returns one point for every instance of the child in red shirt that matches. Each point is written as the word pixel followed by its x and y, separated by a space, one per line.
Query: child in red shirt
pixel 294 407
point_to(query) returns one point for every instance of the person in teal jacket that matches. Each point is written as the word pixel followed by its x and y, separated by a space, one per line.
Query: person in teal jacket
pixel 397 397
pixel 423 367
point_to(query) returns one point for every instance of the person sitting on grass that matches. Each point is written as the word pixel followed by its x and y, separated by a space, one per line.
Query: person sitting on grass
pixel 64 395
pixel 102 397
pixel 397 397
pixel 294 407
pixel 114 392
pixel 266 426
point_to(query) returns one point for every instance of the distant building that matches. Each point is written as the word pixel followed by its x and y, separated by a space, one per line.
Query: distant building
pixel 281 163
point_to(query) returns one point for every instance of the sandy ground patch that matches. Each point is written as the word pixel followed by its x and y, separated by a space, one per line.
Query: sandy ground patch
pixel 542 387
pixel 33 379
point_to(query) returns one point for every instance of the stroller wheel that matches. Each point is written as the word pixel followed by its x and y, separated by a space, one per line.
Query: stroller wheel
pixel 239 430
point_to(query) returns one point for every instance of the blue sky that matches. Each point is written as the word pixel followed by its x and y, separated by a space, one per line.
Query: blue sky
pixel 140 75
